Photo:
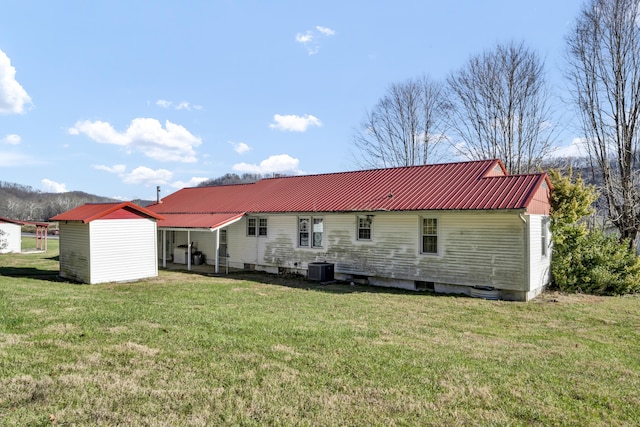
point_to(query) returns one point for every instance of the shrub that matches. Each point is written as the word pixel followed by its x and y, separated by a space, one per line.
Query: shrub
pixel 596 263
pixel 588 261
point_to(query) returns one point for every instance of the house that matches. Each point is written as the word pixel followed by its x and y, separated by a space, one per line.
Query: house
pixel 454 228
pixel 108 242
pixel 10 235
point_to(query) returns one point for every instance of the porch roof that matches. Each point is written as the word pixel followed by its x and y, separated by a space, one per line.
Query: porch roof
pixel 198 220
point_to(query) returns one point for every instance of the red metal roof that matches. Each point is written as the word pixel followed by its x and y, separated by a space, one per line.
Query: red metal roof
pixel 199 220
pixel 480 185
pixel 11 221
pixel 92 211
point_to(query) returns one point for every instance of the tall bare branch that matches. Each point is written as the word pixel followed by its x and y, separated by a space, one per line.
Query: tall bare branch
pixel 499 108
pixel 603 52
pixel 404 128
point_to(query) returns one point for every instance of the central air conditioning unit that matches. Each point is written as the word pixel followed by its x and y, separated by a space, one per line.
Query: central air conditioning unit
pixel 320 271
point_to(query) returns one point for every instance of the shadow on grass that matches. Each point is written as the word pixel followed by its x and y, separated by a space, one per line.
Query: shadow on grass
pixel 31 273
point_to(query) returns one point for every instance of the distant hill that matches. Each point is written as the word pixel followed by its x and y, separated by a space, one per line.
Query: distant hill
pixel 25 203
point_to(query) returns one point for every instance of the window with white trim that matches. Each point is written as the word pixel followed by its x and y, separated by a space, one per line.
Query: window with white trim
pixel 256 226
pixel 544 235
pixel 364 227
pixel 262 226
pixel 318 232
pixel 311 232
pixel 429 235
pixel 251 226
pixel 303 231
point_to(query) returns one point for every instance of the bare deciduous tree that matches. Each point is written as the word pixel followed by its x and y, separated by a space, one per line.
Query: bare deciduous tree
pixel 604 70
pixel 499 108
pixel 405 128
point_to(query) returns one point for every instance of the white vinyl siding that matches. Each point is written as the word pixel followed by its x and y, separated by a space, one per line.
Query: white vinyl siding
pixel 539 264
pixel 74 251
pixel 475 248
pixel 12 237
pixel 123 250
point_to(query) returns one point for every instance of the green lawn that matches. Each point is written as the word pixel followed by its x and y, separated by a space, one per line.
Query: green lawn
pixel 186 349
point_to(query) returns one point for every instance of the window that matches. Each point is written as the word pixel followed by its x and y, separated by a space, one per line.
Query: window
pixel 318 231
pixel 251 226
pixel 256 226
pixel 364 227
pixel 310 232
pixel 430 235
pixel 303 232
pixel 262 226
pixel 544 236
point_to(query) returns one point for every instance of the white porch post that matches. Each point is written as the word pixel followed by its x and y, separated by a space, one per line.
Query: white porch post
pixel 217 251
pixel 189 250
pixel 164 248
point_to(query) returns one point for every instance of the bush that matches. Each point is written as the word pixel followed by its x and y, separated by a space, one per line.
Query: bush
pixel 596 263
pixel 588 261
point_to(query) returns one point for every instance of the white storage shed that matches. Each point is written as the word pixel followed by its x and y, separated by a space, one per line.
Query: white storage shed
pixel 108 242
pixel 10 235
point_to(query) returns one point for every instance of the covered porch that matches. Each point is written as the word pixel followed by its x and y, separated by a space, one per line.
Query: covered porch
pixel 195 242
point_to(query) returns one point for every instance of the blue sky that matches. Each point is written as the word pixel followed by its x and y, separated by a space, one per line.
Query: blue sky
pixel 116 97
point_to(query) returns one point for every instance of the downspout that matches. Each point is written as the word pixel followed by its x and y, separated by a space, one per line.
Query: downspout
pixel 217 250
pixel 189 250
pixel 164 248
pixel 527 253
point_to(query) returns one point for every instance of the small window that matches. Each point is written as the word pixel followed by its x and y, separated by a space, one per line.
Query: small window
pixel 262 227
pixel 318 232
pixel 303 231
pixel 430 235
pixel 251 226
pixel 544 236
pixel 364 227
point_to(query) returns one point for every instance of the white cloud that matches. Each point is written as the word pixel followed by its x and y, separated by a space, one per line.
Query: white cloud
pixel 282 163
pixel 304 37
pixel 117 169
pixel 325 31
pixel 310 39
pixel 184 105
pixel 13 97
pixel 163 103
pixel 140 175
pixel 193 182
pixel 53 187
pixel 173 143
pixel 240 147
pixel 294 123
pixel 11 139
pixel 147 176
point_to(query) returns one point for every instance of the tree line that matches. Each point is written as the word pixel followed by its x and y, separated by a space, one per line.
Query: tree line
pixel 24 203
pixel 498 105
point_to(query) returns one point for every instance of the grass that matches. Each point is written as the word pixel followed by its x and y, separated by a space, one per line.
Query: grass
pixel 185 349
